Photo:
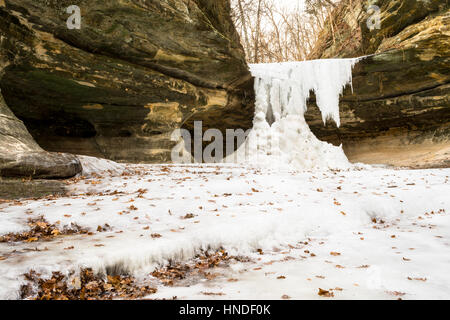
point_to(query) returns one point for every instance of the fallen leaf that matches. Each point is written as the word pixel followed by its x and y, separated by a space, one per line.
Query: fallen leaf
pixel 418 279
pixel 213 294
pixel 396 293
pixel 325 293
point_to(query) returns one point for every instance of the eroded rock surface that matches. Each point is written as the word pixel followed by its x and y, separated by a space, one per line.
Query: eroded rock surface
pixel 399 110
pixel 135 71
pixel 20 155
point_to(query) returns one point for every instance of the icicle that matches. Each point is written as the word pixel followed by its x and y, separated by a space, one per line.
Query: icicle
pixel 280 134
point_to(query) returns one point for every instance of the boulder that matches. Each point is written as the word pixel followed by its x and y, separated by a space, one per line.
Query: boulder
pixel 134 72
pixel 398 112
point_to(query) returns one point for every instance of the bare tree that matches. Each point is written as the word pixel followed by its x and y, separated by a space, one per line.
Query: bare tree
pixel 272 33
pixel 243 20
pixel 258 30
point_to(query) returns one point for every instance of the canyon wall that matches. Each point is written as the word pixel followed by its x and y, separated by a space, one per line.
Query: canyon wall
pixel 398 112
pixel 134 72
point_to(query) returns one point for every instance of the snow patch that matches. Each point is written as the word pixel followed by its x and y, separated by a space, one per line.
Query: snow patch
pixel 92 165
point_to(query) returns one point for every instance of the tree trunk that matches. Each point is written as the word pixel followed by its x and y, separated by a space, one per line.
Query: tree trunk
pixel 244 27
pixel 258 31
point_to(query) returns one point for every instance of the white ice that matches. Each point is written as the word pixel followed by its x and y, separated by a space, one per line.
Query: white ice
pixel 94 166
pixel 280 136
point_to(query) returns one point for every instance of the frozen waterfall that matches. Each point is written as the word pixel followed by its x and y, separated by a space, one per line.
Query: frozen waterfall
pixel 280 134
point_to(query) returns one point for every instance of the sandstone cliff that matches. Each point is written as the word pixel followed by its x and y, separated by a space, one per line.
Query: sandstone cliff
pixel 20 155
pixel 134 72
pixel 399 110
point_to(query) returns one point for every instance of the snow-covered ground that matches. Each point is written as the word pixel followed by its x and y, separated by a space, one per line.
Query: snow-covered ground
pixel 315 228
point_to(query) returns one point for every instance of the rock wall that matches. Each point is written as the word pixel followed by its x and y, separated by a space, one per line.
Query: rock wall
pixel 134 72
pixel 20 155
pixel 399 110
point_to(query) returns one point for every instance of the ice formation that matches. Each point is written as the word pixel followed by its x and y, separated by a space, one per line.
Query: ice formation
pixel 96 166
pixel 280 134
